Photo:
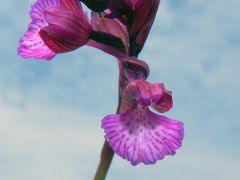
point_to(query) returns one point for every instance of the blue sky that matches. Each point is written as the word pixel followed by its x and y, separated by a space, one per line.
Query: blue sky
pixel 50 112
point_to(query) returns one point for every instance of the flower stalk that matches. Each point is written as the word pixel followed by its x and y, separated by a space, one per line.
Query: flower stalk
pixel 105 162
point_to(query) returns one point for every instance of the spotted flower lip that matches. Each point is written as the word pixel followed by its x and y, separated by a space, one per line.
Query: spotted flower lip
pixel 57 26
pixel 138 134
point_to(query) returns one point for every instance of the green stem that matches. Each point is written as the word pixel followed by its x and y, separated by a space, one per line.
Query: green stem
pixel 106 159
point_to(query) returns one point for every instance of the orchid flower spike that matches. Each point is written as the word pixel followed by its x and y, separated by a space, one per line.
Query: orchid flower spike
pixel 138 134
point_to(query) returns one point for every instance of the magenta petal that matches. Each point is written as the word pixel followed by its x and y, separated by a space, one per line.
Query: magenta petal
pixel 140 91
pixel 161 98
pixel 111 26
pixel 66 31
pixel 140 135
pixel 68 21
pixel 136 92
pixel 37 10
pixel 73 5
pixel 58 40
pixel 31 44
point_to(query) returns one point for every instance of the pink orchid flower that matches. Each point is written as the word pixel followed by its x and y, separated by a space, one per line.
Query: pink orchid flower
pixel 59 26
pixel 138 134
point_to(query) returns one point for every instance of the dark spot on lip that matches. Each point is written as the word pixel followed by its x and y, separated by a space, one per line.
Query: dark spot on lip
pixel 128 124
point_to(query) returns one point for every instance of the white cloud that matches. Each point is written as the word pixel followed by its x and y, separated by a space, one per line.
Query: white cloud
pixel 48 144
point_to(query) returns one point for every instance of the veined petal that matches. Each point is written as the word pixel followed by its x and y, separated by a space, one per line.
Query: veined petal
pixel 66 30
pixel 111 26
pixel 67 20
pixel 37 10
pixel 142 136
pixel 58 40
pixel 73 5
pixel 31 44
pixel 65 17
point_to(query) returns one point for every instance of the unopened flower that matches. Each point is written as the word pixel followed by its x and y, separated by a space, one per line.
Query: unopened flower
pixel 138 134
pixel 143 18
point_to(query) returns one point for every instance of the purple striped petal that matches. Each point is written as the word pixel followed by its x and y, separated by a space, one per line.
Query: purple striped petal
pixel 31 44
pixel 38 8
pixel 73 5
pixel 66 31
pixel 141 136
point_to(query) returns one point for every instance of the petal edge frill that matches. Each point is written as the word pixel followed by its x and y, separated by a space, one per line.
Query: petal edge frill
pixel 141 136
pixel 31 44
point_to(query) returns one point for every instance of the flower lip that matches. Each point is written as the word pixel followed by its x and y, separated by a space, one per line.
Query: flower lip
pixel 138 134
pixel 141 136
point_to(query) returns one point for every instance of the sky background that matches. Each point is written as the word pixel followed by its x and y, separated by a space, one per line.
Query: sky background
pixel 50 112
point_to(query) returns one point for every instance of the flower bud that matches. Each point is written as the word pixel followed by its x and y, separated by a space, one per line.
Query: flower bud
pixel 143 18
